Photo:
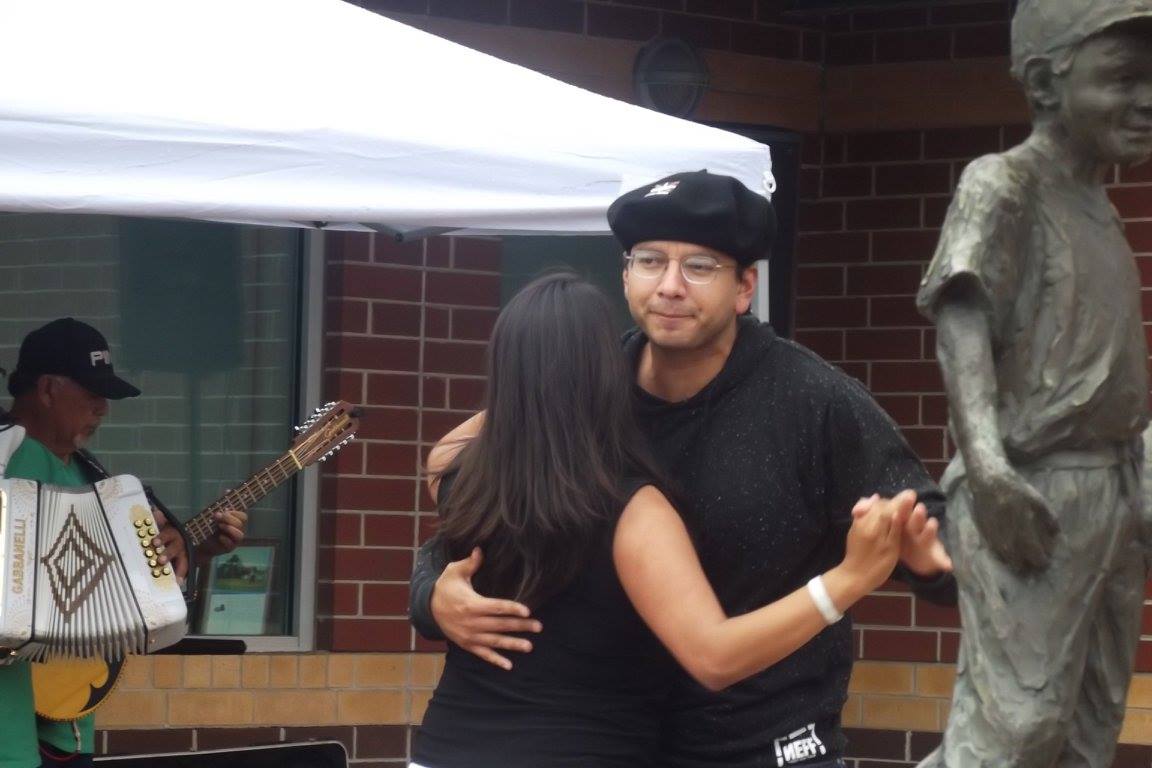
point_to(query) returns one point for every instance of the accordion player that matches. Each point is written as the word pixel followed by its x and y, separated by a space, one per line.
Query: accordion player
pixel 78 575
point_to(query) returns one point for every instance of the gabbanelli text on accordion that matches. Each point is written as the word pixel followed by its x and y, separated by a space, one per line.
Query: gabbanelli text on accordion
pixel 78 575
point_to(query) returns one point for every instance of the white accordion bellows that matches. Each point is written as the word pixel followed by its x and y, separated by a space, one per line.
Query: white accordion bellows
pixel 78 575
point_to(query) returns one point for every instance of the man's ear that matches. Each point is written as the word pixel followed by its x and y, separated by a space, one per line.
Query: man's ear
pixel 1042 85
pixel 746 288
pixel 45 389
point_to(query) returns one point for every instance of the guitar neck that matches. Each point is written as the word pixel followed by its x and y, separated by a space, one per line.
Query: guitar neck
pixel 256 487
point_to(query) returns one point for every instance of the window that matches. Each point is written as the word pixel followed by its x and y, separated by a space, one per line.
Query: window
pixel 206 319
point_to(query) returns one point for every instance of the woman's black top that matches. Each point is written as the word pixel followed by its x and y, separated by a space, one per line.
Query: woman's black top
pixel 589 694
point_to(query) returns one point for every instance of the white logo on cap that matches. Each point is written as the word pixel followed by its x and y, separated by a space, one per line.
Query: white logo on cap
pixel 663 189
pixel 100 355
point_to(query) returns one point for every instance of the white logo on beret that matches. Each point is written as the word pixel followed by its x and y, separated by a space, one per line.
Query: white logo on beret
pixel 663 189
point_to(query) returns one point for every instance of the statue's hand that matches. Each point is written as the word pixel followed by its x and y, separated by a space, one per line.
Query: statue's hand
pixel 1014 520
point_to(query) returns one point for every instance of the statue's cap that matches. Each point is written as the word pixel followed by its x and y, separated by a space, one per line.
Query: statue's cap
pixel 1052 29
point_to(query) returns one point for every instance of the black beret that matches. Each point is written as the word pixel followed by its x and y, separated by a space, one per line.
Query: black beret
pixel 697 207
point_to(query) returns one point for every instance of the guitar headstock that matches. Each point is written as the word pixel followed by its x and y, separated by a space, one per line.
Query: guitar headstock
pixel 327 430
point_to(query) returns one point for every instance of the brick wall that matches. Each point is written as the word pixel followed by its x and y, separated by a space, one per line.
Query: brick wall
pixel 405 334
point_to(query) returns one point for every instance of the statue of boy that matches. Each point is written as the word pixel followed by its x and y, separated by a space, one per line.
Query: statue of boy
pixel 1036 298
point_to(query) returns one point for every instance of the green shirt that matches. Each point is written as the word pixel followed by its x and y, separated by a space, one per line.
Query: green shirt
pixel 19 727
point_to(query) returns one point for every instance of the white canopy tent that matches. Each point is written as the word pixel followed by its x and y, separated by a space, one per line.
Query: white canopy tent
pixel 315 112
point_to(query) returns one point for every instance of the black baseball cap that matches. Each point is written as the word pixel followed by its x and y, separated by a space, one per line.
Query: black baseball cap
pixel 68 347
pixel 698 207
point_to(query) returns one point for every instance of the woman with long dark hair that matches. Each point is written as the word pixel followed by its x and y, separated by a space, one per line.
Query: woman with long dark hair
pixel 554 483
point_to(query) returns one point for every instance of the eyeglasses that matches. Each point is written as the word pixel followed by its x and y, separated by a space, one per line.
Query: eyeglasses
pixel 698 268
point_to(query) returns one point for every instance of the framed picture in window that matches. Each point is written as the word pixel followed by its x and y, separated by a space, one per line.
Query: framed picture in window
pixel 235 599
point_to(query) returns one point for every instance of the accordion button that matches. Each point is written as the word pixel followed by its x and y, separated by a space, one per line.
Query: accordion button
pixel 142 533
pixel 167 570
pixel 153 562
pixel 152 531
pixel 138 523
pixel 148 521
pixel 149 553
pixel 156 572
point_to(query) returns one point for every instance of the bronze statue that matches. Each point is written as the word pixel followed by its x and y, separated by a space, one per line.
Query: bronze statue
pixel 1036 298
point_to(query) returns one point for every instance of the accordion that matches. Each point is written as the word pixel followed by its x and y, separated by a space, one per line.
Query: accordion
pixel 78 575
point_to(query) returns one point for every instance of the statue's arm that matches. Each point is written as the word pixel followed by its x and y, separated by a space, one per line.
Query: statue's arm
pixel 1010 514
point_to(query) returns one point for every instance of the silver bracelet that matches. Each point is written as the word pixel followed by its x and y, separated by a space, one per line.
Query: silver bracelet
pixel 822 600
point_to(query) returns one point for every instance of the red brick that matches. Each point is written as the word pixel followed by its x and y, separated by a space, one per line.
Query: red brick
pixel 389 530
pixel 426 527
pixel 949 647
pixel 972 13
pixel 760 40
pixel 385 600
pixel 913 178
pixel 393 389
pixel 347 246
pixel 349 460
pixel 372 353
pixel 435 392
pixel 963 143
pixel 360 564
pixel 428 646
pixel 1144 265
pixel 436 424
pixel 454 357
pixel 913 45
pixel 473 324
pixel 1137 173
pixel 987 41
pixel 904 245
pixel 346 315
pixel 808 184
pixel 832 247
pixel 366 281
pixel 884 279
pixel 929 346
pixel 895 18
pixel 381 741
pixel 889 344
pixel 884 146
pixel 1132 202
pixel 835 148
pixel 466 394
pixel 438 252
pixel 820 217
pixel 341 528
pixel 554 15
pixel 476 253
pixel 1015 134
pixel 369 493
pixel 387 424
pixel 388 251
pixel 396 459
pixel 700 31
pixel 926 442
pixel 732 9
pixel 906 377
pixel 345 734
pixel 934 410
pixel 851 49
pixel 338 598
pixel 889 610
pixel 437 322
pixel 813 50
pixel 858 371
pixel 904 409
pixel 626 23
pixel 889 213
pixel 847 181
pixel 367 635
pixel 819 281
pixel 935 208
pixel 344 385
pixel 464 288
pixel 828 344
pixel 929 615
pixel 389 319
pixel 811 149
pixel 899 645
pixel 831 313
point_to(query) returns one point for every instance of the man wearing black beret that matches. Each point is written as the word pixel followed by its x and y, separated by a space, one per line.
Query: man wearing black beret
pixel 772 447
